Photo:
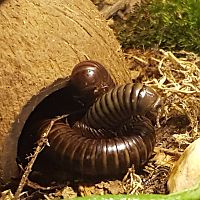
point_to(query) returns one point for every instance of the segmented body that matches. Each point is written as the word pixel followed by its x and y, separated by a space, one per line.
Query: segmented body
pixel 122 102
pixel 115 133
pixel 101 156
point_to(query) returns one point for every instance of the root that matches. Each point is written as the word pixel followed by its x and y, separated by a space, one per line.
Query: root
pixel 132 182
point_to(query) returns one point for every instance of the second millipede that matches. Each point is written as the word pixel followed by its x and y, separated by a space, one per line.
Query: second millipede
pixel 115 133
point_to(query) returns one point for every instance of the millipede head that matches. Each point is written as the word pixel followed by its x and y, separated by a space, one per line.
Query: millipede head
pixel 149 102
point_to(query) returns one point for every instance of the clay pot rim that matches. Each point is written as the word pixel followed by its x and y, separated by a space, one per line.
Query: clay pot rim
pixel 11 144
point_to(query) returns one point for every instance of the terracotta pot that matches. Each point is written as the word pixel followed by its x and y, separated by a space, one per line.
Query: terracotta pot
pixel 40 43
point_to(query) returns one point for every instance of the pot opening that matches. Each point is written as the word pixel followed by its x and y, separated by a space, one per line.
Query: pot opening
pixel 57 100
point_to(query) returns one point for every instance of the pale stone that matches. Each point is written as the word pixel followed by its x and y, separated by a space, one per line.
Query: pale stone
pixel 186 172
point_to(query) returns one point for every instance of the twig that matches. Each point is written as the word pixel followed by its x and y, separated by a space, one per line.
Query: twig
pixel 170 152
pixel 119 5
pixel 132 182
pixel 42 142
pixel 36 186
pixel 140 60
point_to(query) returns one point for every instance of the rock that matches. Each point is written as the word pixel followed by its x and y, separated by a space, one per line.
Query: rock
pixel 186 172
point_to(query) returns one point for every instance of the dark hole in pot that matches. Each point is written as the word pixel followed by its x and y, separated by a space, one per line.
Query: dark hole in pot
pixel 57 102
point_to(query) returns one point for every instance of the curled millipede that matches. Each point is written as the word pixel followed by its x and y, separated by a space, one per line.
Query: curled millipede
pixel 100 156
pixel 115 133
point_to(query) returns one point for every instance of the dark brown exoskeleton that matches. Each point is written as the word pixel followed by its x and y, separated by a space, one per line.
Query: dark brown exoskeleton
pixel 101 156
pixel 89 80
pixel 122 102
pixel 115 132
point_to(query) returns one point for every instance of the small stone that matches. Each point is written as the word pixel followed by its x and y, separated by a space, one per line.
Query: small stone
pixel 186 172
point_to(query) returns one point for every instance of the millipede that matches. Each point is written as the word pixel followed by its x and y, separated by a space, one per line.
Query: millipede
pixel 115 132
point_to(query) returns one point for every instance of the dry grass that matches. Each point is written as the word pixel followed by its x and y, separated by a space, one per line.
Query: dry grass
pixel 176 79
